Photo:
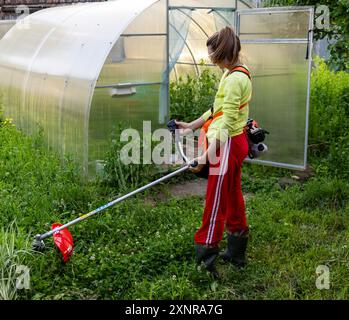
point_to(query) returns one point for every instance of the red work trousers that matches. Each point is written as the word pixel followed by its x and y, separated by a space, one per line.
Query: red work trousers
pixel 225 205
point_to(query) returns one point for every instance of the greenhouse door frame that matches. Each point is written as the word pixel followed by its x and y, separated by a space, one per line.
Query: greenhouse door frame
pixel 308 41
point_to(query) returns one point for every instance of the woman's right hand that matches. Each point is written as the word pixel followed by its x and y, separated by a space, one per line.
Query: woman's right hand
pixel 182 125
pixel 184 128
pixel 188 128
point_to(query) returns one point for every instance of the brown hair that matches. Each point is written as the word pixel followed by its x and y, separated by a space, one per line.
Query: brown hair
pixel 225 45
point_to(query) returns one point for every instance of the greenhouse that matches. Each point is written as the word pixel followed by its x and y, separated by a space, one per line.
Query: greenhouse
pixel 79 71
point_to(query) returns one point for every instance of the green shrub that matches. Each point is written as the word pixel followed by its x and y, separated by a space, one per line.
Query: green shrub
pixel 192 96
pixel 329 125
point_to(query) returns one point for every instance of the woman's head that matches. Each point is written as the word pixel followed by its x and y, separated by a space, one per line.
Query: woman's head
pixel 224 47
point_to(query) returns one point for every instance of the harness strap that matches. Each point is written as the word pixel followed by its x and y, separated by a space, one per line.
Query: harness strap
pixel 240 69
pixel 202 137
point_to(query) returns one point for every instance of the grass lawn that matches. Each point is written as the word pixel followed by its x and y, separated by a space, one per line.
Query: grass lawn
pixel 140 250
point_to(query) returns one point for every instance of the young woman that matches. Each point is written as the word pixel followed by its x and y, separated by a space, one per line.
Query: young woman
pixel 227 148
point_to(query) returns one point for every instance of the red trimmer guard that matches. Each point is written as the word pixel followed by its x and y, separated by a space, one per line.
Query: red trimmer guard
pixel 63 241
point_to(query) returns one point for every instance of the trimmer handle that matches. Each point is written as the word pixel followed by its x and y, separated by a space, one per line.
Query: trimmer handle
pixel 171 125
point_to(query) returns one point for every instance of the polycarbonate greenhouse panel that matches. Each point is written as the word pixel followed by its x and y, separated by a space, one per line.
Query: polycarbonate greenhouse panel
pixel 146 24
pixel 201 26
pixel 50 65
pixel 132 86
pixel 280 24
pixel 276 45
pixel 137 59
pixel 191 24
pixel 129 110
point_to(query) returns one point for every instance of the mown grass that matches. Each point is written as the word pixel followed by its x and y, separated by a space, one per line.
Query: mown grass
pixel 140 251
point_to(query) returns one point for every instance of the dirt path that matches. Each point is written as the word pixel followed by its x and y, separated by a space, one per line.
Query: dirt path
pixel 189 188
pixel 185 189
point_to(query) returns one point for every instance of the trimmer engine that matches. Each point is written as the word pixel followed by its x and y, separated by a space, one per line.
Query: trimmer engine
pixel 256 136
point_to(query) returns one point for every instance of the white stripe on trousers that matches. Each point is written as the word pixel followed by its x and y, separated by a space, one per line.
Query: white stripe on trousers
pixel 222 172
pixel 215 212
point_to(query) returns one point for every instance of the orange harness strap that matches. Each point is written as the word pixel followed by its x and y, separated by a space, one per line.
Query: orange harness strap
pixel 240 69
pixel 202 137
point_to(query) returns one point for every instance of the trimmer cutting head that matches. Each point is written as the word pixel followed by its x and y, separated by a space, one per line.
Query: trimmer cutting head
pixel 38 244
pixel 63 241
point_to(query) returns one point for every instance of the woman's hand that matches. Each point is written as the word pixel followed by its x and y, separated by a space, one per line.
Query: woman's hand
pixel 182 125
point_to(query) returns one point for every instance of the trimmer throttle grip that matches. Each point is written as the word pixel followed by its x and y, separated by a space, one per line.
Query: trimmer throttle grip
pixel 171 125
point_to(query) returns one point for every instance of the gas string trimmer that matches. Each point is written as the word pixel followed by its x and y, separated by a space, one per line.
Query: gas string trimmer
pixel 62 236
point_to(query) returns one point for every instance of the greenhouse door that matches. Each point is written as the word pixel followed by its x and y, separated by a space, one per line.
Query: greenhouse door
pixel 277 45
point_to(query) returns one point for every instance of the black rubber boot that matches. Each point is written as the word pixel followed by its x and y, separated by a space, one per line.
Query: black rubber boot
pixel 236 250
pixel 208 256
